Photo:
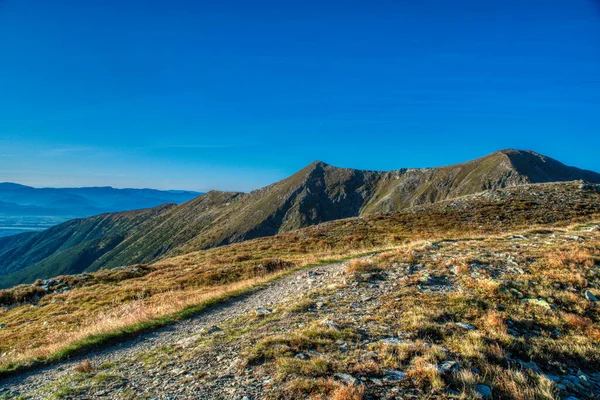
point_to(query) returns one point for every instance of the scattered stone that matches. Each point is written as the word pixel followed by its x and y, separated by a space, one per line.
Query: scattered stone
pixel 346 378
pixel 532 365
pixel 313 353
pixel 517 237
pixel 208 370
pixel 369 276
pixel 178 371
pixel 211 330
pixel 465 326
pixel 343 345
pixel 2 326
pixel 392 341
pixel 393 375
pixel 538 302
pixel 483 392
pixel 572 378
pixel 590 296
pixel 262 311
pixel 186 342
pixel 448 366
pixel 425 277
pixel 553 378
pixel 516 293
pixel 330 324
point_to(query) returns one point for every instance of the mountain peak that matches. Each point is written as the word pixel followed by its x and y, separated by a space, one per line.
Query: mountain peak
pixel 511 151
pixel 318 193
pixel 318 163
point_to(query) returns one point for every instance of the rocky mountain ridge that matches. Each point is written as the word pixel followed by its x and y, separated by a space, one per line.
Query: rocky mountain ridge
pixel 317 193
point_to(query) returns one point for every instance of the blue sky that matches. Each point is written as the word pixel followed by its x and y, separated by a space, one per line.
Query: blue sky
pixel 236 94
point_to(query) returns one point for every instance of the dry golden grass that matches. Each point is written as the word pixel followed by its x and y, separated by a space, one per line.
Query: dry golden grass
pixel 576 257
pixel 495 322
pixel 356 392
pixel 117 300
pixel 130 314
pixel 361 266
pixel 63 320
pixel 291 366
pixel 492 305
pixel 84 366
pixel 424 372
pixel 510 383
pixel 365 367
pixel 556 337
pixel 314 389
pixel 482 297
pixel 323 389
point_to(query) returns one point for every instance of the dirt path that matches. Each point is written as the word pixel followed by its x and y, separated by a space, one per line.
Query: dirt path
pixel 293 286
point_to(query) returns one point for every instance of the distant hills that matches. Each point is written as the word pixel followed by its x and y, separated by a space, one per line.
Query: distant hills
pixel 317 193
pixel 20 200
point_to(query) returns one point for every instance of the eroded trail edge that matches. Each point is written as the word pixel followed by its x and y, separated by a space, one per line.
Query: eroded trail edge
pixel 294 285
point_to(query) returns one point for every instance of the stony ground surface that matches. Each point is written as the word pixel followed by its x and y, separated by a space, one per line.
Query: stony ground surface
pixel 487 319
pixel 184 332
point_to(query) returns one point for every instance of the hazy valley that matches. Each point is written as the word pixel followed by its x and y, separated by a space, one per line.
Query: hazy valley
pixel 27 209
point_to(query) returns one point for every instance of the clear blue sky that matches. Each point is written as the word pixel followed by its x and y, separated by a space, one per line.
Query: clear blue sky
pixel 237 94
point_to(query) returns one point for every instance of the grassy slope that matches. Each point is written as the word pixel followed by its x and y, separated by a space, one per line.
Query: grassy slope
pixel 517 346
pixel 318 193
pixel 112 295
pixel 60 243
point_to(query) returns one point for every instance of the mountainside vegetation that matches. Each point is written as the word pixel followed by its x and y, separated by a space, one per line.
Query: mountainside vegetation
pixel 508 316
pixel 55 317
pixel 70 247
pixel 317 193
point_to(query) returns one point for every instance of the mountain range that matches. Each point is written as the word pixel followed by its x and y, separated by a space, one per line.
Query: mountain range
pixel 21 200
pixel 318 193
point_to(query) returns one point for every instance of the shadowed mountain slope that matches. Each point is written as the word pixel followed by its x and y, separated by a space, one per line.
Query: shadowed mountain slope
pixel 69 247
pixel 316 194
